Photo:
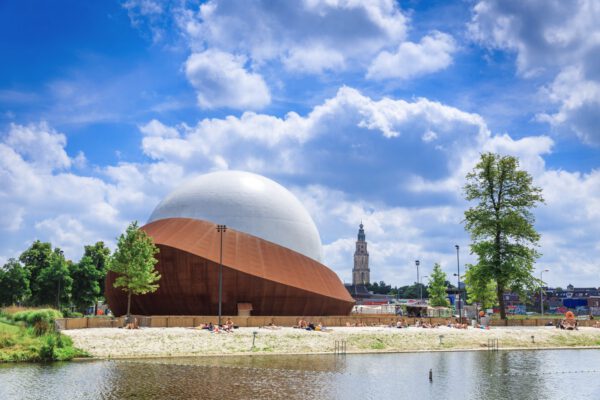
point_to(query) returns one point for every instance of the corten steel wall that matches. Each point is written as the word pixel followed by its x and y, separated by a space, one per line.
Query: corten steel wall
pixel 274 279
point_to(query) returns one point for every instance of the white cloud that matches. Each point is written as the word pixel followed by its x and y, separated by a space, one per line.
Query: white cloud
pixel 222 81
pixel 40 145
pixel 236 141
pixel 431 54
pixel 560 39
pixel 353 29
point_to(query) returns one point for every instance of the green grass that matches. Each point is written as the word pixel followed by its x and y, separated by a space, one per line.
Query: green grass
pixel 20 343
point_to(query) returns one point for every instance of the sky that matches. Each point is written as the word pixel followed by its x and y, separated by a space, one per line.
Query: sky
pixel 371 110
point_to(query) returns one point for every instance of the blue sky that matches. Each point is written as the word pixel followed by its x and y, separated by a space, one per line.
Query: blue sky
pixel 366 110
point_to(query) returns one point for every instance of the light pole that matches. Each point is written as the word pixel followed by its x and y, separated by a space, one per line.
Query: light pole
pixel 221 229
pixel 421 285
pixel 541 291
pixel 458 284
pixel 417 263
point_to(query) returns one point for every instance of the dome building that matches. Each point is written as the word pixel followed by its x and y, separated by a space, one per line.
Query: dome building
pixel 271 253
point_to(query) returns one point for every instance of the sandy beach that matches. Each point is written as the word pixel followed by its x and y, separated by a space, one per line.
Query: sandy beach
pixel 173 342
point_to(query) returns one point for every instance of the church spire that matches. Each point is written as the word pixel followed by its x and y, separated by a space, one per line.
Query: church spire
pixel 361 233
pixel 361 274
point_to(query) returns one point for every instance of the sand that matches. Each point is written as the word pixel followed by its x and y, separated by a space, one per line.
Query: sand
pixel 174 342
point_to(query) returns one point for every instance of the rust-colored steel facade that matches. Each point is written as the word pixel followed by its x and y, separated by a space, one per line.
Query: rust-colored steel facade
pixel 274 279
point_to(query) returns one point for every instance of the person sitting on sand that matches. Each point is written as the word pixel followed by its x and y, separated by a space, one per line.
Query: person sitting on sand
pixel 228 327
pixel 569 323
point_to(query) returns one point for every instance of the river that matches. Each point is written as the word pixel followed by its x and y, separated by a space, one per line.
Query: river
pixel 548 374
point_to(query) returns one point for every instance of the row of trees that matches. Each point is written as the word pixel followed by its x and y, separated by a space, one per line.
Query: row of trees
pixel 43 276
pixel 435 290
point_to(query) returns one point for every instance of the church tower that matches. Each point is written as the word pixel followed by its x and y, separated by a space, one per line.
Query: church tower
pixel 361 272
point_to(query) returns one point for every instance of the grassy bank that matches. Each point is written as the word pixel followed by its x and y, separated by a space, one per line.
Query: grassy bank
pixel 29 335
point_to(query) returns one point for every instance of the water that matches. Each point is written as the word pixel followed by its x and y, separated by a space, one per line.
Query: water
pixel 560 374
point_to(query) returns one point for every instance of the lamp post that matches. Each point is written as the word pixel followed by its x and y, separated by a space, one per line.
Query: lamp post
pixel 458 284
pixel 541 291
pixel 421 285
pixel 221 229
pixel 417 263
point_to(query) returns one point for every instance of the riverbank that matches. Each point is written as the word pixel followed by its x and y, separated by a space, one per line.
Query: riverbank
pixel 177 342
pixel 21 344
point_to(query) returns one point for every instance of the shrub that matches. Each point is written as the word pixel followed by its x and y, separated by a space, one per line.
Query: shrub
pixel 47 350
pixel 42 320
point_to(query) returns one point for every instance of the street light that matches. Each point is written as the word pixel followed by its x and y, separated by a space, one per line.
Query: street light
pixel 221 229
pixel 541 295
pixel 421 285
pixel 458 282
pixel 417 263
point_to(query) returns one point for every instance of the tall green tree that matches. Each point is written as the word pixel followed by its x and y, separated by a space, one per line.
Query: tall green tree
pixel 481 288
pixel 49 275
pixel 100 257
pixel 35 259
pixel 14 283
pixel 501 224
pixel 86 287
pixel 54 281
pixel 133 261
pixel 437 287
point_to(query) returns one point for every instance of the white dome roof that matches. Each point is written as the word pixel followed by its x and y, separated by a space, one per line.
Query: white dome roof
pixel 248 203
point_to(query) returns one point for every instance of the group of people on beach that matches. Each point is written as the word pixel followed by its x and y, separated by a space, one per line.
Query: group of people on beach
pixel 309 326
pixel 227 327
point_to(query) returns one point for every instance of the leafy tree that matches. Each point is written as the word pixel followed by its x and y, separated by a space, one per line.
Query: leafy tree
pixel 412 291
pixel 86 287
pixel 100 257
pixel 480 288
pixel 54 281
pixel 133 262
pixel 379 288
pixel 14 283
pixel 501 224
pixel 437 287
pixel 36 258
pixel 49 278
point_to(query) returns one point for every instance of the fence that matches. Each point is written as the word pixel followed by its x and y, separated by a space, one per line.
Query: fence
pixel 255 321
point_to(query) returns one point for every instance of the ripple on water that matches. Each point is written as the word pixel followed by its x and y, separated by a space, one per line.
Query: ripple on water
pixel 466 375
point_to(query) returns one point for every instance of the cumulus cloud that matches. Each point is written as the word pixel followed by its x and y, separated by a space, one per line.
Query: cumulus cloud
pixel 236 139
pixel 431 54
pixel 43 198
pixel 551 38
pixel 348 29
pixel 222 81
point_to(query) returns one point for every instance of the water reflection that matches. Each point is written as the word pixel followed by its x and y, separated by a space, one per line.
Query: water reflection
pixel 465 375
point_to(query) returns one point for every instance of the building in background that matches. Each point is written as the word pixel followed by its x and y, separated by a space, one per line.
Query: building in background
pixel 270 251
pixel 361 274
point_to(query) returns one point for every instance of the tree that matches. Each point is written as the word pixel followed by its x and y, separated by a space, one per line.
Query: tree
pixel 480 288
pixel 49 277
pixel 14 283
pixel 86 287
pixel 501 224
pixel 133 262
pixel 437 287
pixel 100 257
pixel 35 259
pixel 54 281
